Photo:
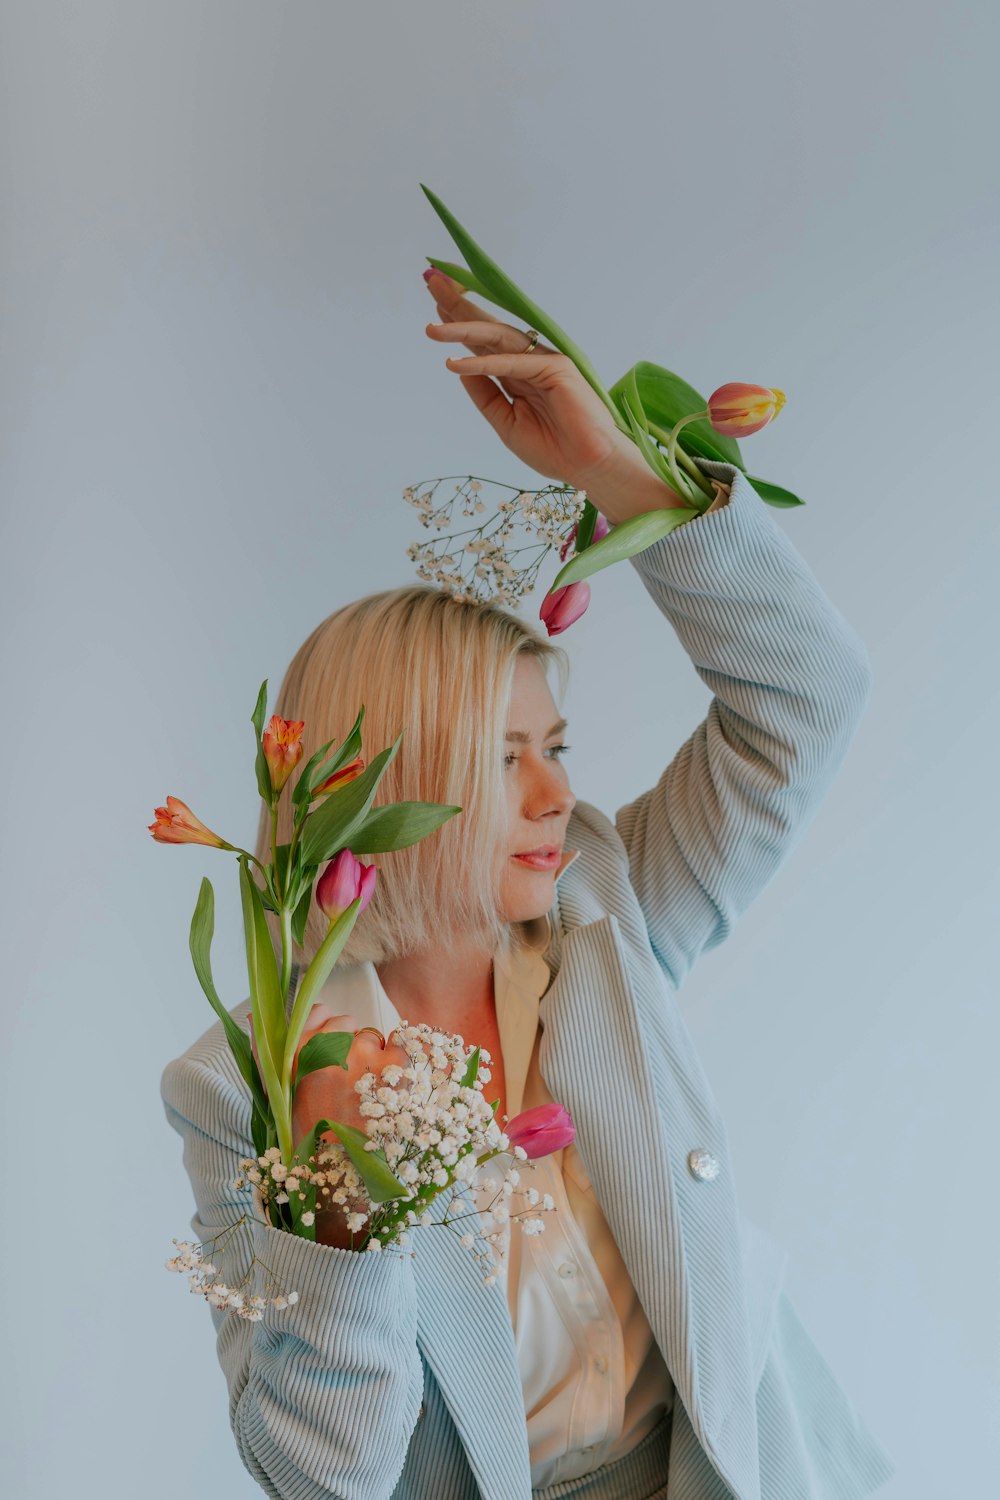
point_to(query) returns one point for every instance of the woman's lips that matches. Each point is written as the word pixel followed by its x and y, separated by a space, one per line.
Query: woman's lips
pixel 540 861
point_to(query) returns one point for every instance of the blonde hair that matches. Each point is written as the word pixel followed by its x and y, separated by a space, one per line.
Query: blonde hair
pixel 440 670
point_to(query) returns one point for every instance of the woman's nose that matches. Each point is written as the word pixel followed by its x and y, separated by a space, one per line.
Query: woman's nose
pixel 549 793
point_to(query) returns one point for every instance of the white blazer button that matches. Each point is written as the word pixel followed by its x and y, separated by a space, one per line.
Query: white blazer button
pixel 567 1268
pixel 703 1165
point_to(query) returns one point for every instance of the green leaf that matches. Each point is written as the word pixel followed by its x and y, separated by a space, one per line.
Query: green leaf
pixel 665 398
pixel 265 983
pixel 496 286
pixel 318 972
pixel 585 528
pixel 624 540
pixel 307 1146
pixel 461 274
pixel 304 783
pixel 327 1049
pixel 472 1070
pixel 380 1183
pixel 258 1129
pixel 298 1207
pixel 314 773
pixel 656 460
pixel 263 770
pixel 281 866
pixel 398 825
pixel 774 494
pixel 329 828
pixel 200 942
pixel 300 915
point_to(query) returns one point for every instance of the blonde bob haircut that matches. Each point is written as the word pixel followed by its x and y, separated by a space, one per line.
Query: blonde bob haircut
pixel 440 670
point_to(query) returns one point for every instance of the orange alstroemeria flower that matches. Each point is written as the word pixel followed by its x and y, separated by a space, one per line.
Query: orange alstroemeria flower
pixel 282 748
pixel 737 410
pixel 340 778
pixel 177 824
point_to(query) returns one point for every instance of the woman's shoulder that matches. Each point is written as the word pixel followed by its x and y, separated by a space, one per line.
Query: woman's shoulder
pixel 206 1075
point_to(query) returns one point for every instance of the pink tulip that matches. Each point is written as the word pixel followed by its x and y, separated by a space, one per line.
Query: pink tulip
pixel 343 881
pixel 600 530
pixel 737 410
pixel 541 1130
pixel 177 824
pixel 562 607
pixel 282 748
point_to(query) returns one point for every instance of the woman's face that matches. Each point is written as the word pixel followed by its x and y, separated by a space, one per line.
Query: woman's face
pixel 539 800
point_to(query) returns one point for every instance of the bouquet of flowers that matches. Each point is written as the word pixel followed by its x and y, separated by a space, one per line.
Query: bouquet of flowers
pixel 428 1127
pixel 667 419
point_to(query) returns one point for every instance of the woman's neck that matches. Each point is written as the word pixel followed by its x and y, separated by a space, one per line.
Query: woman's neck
pixel 451 989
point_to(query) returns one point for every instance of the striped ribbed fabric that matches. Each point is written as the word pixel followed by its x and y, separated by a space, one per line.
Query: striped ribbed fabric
pixel 394 1377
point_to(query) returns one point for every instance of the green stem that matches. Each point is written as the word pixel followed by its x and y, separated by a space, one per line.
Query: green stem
pixel 279 889
pixel 235 849
pixel 684 459
pixel 285 917
pixel 672 441
pixel 326 956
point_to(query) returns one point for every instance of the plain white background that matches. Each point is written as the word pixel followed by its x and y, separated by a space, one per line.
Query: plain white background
pixel 216 385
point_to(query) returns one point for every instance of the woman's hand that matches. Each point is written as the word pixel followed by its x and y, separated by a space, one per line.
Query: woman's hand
pixel 553 420
pixel 329 1093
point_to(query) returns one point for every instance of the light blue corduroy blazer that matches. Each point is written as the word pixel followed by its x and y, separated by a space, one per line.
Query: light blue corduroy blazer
pixel 395 1378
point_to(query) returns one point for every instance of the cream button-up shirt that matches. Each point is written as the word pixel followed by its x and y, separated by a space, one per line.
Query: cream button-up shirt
pixel 594 1380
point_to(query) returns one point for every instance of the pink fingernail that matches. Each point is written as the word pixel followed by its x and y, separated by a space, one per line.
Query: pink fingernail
pixel 432 272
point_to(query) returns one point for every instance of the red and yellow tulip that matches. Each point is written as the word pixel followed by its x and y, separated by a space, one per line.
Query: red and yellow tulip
pixel 737 410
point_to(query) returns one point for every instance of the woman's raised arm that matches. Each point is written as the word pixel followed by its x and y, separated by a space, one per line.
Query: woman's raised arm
pixel 324 1395
pixel 790 679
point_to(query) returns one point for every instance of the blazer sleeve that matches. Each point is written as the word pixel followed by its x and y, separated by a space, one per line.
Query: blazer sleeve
pixel 790 680
pixel 323 1395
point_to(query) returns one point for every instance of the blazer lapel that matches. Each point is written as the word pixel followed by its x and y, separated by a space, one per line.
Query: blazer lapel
pixel 477 1369
pixel 478 1373
pixel 638 1113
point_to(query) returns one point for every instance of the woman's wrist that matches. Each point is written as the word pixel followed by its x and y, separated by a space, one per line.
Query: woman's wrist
pixel 627 486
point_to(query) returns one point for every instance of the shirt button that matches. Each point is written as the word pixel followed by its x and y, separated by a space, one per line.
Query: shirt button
pixel 602 1363
pixel 567 1268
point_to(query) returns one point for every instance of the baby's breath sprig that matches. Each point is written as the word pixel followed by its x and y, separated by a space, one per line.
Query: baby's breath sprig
pixel 203 1276
pixel 485 550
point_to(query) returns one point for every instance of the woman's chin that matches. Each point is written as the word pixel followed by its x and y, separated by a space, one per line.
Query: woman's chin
pixel 532 898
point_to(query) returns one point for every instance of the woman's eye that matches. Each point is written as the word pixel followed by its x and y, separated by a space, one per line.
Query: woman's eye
pixel 554 750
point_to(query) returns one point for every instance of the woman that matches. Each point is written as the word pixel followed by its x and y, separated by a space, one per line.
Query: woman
pixel 642 1346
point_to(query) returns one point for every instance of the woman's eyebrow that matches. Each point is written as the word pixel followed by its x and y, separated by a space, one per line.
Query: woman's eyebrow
pixel 522 737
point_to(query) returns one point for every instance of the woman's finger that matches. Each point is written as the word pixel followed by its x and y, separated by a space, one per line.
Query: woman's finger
pixel 493 404
pixel 488 337
pixel 536 368
pixel 450 298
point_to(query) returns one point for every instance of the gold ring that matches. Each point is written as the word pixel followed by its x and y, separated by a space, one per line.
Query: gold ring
pixel 373 1029
pixel 533 332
